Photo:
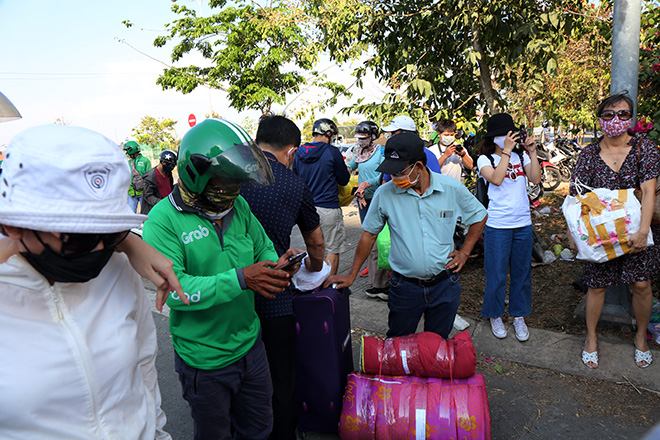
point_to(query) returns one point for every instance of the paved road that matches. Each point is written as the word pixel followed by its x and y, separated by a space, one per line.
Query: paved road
pixel 543 391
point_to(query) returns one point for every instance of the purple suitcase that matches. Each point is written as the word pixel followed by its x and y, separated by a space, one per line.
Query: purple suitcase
pixel 324 356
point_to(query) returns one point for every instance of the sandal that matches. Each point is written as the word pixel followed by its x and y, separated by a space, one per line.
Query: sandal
pixel 643 356
pixel 590 357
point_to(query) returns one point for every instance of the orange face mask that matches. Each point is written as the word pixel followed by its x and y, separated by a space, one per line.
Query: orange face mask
pixel 404 182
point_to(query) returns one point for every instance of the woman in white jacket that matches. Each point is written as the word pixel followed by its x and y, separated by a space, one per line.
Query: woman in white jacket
pixel 79 344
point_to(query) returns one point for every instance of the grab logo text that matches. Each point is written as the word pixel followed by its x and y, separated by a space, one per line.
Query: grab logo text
pixel 197 234
pixel 194 298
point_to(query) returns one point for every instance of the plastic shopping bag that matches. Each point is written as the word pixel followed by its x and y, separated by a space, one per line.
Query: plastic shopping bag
pixel 384 244
pixel 347 192
pixel 601 222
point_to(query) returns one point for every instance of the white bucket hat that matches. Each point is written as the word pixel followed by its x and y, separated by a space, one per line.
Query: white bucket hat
pixel 401 122
pixel 57 178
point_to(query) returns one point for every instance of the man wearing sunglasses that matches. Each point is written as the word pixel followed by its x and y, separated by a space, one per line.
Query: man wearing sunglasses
pixel 223 257
pixel 78 356
pixel 421 208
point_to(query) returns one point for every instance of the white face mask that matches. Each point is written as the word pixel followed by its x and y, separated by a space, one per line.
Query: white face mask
pixel 219 215
pixel 364 142
pixel 499 141
pixel 447 140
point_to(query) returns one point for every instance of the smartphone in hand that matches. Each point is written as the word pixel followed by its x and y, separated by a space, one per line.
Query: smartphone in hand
pixel 523 135
pixel 293 260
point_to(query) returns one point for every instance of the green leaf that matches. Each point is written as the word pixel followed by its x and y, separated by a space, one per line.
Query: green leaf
pixel 498 368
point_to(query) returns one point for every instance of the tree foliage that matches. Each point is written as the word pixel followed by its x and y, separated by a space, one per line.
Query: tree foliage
pixel 570 94
pixel 257 54
pixel 648 106
pixel 159 133
pixel 448 57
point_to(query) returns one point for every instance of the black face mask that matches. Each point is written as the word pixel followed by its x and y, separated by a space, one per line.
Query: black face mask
pixel 167 167
pixel 78 269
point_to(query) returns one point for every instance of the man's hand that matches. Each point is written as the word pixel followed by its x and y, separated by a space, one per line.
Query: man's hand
pixel 265 281
pixel 458 260
pixel 284 260
pixel 340 280
pixel 449 151
pixel 155 267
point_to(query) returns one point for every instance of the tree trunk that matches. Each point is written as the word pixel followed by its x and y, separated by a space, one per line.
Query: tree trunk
pixel 484 71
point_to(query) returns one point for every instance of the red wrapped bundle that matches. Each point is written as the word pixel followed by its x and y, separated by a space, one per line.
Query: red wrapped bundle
pixel 422 354
pixel 402 408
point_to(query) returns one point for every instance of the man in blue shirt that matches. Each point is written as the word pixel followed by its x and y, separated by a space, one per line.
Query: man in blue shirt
pixel 405 124
pixel 421 209
pixel 279 207
pixel 322 167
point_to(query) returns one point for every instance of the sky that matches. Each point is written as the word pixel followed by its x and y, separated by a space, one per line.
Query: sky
pixel 66 60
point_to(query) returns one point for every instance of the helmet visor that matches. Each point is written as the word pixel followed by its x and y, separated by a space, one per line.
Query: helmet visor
pixel 245 163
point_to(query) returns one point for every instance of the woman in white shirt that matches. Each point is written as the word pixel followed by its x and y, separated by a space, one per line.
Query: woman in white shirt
pixel 508 232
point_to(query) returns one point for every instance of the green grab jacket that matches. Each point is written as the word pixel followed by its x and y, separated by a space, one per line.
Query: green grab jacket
pixel 220 325
pixel 142 165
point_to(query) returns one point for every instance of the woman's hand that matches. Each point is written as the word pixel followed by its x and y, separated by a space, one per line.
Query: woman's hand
pixel 361 188
pixel 637 242
pixel 359 193
pixel 530 145
pixel 510 141
pixel 155 267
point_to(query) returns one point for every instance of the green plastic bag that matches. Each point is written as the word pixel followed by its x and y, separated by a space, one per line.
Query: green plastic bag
pixel 384 244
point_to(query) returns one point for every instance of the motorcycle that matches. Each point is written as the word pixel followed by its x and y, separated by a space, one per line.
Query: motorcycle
pixel 551 176
pixel 562 152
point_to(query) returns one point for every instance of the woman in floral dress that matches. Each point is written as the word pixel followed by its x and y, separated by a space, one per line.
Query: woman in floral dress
pixel 619 160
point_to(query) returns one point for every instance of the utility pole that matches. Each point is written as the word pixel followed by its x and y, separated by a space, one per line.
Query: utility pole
pixel 625 73
pixel 625 48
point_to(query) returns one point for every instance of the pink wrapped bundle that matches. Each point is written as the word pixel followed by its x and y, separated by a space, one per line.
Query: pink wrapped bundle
pixel 408 407
pixel 423 354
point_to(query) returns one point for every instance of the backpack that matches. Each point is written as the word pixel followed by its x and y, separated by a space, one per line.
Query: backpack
pixel 483 184
pixel 138 181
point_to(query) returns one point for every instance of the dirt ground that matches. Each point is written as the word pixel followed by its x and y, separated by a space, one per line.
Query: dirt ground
pixel 534 403
pixel 554 298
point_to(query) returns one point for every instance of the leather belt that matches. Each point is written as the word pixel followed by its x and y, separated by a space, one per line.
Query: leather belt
pixel 427 282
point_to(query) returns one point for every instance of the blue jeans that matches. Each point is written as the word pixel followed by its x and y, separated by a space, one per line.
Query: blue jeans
pixel 133 202
pixel 236 398
pixel 408 301
pixel 363 211
pixel 506 249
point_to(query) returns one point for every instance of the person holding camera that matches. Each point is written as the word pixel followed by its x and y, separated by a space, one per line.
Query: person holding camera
pixel 508 232
pixel 452 157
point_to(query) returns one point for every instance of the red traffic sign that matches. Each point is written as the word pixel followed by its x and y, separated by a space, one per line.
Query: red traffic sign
pixel 192 120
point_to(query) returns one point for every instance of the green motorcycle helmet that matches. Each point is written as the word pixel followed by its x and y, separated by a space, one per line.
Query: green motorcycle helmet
pixel 217 148
pixel 131 148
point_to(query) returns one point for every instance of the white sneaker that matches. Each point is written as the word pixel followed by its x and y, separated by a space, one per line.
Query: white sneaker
pixel 522 333
pixel 497 327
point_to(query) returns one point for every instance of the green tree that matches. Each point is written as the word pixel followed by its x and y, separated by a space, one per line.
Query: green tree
pixel 257 54
pixel 448 57
pixel 158 133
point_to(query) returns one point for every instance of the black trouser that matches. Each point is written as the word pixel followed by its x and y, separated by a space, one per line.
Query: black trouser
pixel 279 336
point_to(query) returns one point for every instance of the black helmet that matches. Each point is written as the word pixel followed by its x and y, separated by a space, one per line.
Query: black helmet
pixel 367 127
pixel 168 156
pixel 545 124
pixel 323 126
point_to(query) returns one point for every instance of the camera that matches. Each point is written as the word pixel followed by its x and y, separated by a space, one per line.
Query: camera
pixel 458 148
pixel 523 134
